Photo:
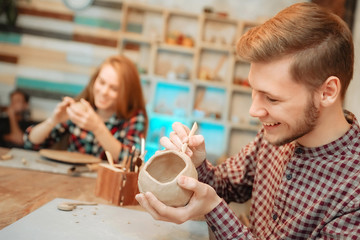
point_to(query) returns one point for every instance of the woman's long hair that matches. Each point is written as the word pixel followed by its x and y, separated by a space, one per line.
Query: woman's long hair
pixel 131 98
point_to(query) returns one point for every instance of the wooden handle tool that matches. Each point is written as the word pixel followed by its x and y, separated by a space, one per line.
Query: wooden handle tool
pixel 109 158
pixel 192 131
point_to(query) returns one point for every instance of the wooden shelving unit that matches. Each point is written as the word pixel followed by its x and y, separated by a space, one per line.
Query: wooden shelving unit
pixel 190 72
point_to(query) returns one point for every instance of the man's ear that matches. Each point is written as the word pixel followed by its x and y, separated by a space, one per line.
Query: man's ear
pixel 330 91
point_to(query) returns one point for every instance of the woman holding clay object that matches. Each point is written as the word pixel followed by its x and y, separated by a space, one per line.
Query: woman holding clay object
pixel 108 115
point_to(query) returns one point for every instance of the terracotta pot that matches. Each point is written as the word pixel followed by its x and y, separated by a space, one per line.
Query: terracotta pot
pixel 160 175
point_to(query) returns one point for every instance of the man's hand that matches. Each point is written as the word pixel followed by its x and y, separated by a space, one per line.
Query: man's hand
pixel 196 143
pixel 202 202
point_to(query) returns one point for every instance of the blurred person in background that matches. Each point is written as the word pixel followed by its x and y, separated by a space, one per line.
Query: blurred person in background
pixel 15 118
pixel 109 114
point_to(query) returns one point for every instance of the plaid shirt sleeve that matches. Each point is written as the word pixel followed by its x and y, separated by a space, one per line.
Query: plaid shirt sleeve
pixel 233 181
pixel 225 224
pixel 130 133
pixel 54 136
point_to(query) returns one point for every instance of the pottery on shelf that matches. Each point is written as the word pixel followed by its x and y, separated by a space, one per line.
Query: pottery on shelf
pixel 160 175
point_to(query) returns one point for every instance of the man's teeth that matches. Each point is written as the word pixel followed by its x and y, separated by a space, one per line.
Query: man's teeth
pixel 271 124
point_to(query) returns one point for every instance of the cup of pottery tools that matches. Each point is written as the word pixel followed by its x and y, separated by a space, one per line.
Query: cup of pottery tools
pixel 117 183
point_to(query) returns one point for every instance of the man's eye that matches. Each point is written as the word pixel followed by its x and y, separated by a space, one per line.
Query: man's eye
pixel 271 99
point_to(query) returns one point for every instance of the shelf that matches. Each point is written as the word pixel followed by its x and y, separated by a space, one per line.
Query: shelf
pixel 209 121
pixel 174 82
pixel 217 47
pixel 176 48
pixel 183 14
pixel 145 7
pixel 169 118
pixel 241 89
pixel 213 17
pixel 136 37
pixel 179 51
pixel 210 83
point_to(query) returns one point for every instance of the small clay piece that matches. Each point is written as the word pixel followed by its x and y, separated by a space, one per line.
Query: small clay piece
pixel 24 161
pixel 66 207
pixel 161 172
pixel 78 106
pixel 69 206
pixel 7 156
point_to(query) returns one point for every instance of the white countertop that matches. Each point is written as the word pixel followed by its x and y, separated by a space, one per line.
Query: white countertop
pixel 99 222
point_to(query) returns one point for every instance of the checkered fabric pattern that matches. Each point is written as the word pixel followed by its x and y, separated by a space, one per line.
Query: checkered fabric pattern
pixel 296 192
pixel 128 132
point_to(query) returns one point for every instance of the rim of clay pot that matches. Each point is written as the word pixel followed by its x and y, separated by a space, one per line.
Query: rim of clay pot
pixel 170 182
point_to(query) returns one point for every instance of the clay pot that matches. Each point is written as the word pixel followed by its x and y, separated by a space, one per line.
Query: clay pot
pixel 160 175
pixel 78 106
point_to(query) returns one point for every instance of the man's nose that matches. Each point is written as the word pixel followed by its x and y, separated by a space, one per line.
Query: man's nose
pixel 257 109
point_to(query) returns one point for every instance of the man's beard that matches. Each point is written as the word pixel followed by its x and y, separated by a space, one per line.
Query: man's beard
pixel 304 126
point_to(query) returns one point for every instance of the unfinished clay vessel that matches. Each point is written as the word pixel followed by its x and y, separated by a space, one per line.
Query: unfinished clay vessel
pixel 160 175
pixel 78 106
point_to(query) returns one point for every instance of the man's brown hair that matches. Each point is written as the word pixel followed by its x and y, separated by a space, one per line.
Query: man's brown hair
pixel 319 42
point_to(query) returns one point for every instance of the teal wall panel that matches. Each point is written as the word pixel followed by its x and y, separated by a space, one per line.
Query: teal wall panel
pixel 13 38
pixel 95 22
pixel 57 87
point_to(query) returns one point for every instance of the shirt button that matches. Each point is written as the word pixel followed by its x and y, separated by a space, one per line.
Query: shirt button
pixel 289 176
pixel 275 216
pixel 213 228
pixel 299 151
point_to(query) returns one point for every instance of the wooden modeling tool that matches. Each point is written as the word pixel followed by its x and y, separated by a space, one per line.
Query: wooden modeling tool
pixel 142 149
pixel 192 131
pixel 133 153
pixel 109 158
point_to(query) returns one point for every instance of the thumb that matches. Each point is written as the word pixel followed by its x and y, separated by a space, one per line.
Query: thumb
pixel 188 183
pixel 83 101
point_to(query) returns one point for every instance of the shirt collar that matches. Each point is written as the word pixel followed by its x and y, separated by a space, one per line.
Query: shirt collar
pixel 346 141
pixel 113 120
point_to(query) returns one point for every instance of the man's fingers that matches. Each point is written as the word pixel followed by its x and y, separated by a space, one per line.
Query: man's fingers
pixel 188 183
pixel 196 140
pixel 181 130
pixel 166 143
pixel 143 201
pixel 174 138
pixel 166 213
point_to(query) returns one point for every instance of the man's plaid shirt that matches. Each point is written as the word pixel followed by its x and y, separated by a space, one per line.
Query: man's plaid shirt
pixel 128 132
pixel 296 192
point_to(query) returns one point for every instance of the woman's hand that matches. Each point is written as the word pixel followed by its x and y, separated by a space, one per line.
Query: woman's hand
pixel 196 143
pixel 202 202
pixel 60 115
pixel 85 117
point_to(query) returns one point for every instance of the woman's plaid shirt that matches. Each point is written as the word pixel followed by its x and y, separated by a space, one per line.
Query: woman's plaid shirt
pixel 296 192
pixel 128 132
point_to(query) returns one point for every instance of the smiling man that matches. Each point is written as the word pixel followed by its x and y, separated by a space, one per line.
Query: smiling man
pixel 302 171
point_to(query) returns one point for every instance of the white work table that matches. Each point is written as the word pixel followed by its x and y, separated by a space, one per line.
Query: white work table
pixel 99 222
